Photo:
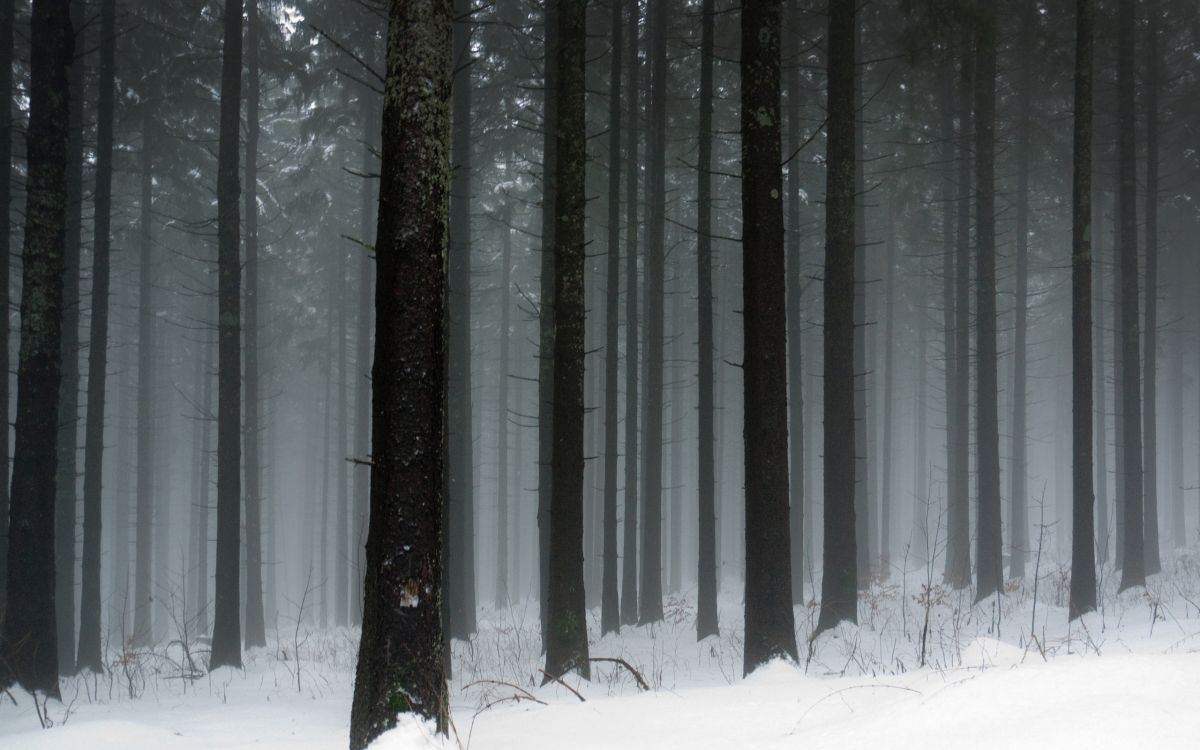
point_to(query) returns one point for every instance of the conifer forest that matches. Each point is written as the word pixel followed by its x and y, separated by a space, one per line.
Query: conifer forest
pixel 599 374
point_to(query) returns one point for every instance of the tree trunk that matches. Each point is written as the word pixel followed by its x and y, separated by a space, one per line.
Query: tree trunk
pixel 839 584
pixel 629 557
pixel 226 640
pixel 958 523
pixel 1099 304
pixel 1133 572
pixel 770 627
pixel 950 200
pixel 400 667
pixel 90 655
pixel 1083 559
pixel 1150 352
pixel 566 639
pixel 255 625
pixel 706 570
pixel 143 625
pixel 862 463
pixel 66 483
pixel 6 132
pixel 650 602
pixel 989 566
pixel 28 649
pixel 546 308
pixel 610 615
pixel 889 387
pixel 794 323
pixel 1018 543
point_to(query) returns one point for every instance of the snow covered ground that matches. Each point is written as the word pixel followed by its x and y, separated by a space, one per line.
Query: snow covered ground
pixel 995 676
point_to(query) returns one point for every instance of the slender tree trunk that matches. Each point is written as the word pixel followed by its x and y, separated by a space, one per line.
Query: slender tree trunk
pixel 610 615
pixel 889 388
pixel 839 584
pixel 629 557
pixel 28 648
pixel 989 566
pixel 862 463
pixel 1099 304
pixel 400 667
pixel 546 308
pixel 226 640
pixel 1118 389
pixel 1083 558
pixel 650 594
pixel 341 552
pixel 675 538
pixel 566 641
pixel 90 655
pixel 503 375
pixel 1018 519
pixel 255 623
pixel 794 324
pixel 1150 352
pixel 950 200
pixel 958 532
pixel 706 571
pixel 143 625
pixel 770 628
pixel 1133 572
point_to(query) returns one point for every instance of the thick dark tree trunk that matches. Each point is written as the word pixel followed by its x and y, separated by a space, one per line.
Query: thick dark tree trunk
pixel 143 626
pixel 1083 557
pixel 989 566
pixel 66 479
pixel 28 648
pixel 1018 543
pixel 958 515
pixel 546 308
pixel 90 655
pixel 6 133
pixel 1150 350
pixel 839 583
pixel 400 668
pixel 1101 325
pixel 566 639
pixel 770 627
pixel 706 570
pixel 255 625
pixel 226 640
pixel 794 324
pixel 650 594
pixel 629 532
pixel 610 615
pixel 1133 571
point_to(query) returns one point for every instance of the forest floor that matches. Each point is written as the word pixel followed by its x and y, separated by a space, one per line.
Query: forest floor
pixel 1006 673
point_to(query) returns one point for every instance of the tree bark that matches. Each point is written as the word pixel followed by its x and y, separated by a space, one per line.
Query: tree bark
pixel 1083 558
pixel 650 594
pixel 770 627
pixel 989 566
pixel 1150 352
pixel 839 583
pixel 226 640
pixel 28 648
pixel 610 615
pixel 706 570
pixel 400 667
pixel 1133 571
pixel 255 624
pixel 794 323
pixel 90 655
pixel 629 557
pixel 7 12
pixel 566 641
pixel 143 617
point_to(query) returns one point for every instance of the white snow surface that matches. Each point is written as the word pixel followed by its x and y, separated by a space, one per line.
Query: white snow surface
pixel 996 676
